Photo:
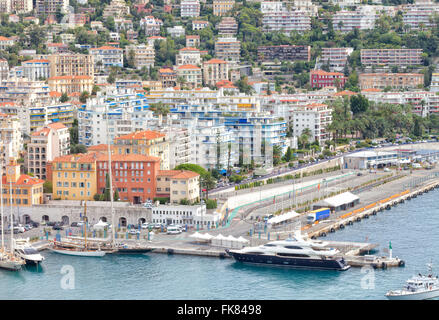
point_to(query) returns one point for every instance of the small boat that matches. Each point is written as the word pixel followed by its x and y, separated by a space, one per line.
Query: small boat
pixel 298 253
pixel 24 250
pixel 78 251
pixel 10 261
pixel 77 248
pixel 420 287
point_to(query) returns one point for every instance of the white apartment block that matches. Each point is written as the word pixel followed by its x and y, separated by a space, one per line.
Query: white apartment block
pixel 188 56
pixel 316 117
pixel 11 140
pixel 434 86
pixel 144 55
pixel 46 144
pixel 106 56
pixel 228 49
pixel 127 113
pixel 179 145
pixel 337 57
pixel 189 8
pixel 362 19
pixel 4 69
pixel 151 25
pixel 37 69
pixel 286 21
pixel 176 31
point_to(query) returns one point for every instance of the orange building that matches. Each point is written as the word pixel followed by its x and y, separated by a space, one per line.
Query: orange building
pixel 133 175
pixel 26 190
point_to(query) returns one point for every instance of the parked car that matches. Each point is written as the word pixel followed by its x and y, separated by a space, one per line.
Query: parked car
pixel 134 231
pixel 145 225
pixel 50 223
pixel 386 170
pixel 28 227
pixel 74 224
pixel 19 229
pixel 34 224
pixel 57 227
pixel 173 230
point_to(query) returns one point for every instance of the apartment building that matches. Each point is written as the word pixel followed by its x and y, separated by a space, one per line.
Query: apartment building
pixel 68 64
pixel 71 84
pixel 191 75
pixel 215 70
pixel 337 58
pixel 199 24
pixel 24 92
pixel 116 9
pixel 228 49
pixel 316 117
pixel 45 145
pixel 167 77
pixel 188 55
pixel 284 53
pixel 4 69
pixel 179 144
pixel 222 7
pixel 41 116
pixel 11 140
pixel 176 32
pixel 178 185
pixel 74 176
pixel 37 69
pixel 360 19
pixel 142 55
pixel 391 57
pixel 20 189
pixel 150 143
pixel 321 79
pixel 134 176
pixel 151 25
pixel 434 85
pixel 286 21
pixel 50 7
pixel 391 80
pixel 189 8
pixel 22 6
pixel 419 15
pixel 228 26
pixel 6 42
pixel 193 41
pixel 55 48
pixel 107 56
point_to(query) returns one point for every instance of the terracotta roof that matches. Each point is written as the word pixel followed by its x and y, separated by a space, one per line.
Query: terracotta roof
pixel 324 73
pixel 79 157
pixel 106 48
pixel 193 36
pixel 24 180
pixel 371 90
pixel 178 174
pixel 166 70
pixel 345 93
pixel 56 44
pixel 56 125
pixel 215 61
pixel 69 77
pixel 129 157
pixel 36 60
pixel 41 132
pixel 145 135
pixel 55 94
pixel 225 83
pixel 2 38
pixel 188 66
pixel 99 147
pixel 189 49
pixel 7 103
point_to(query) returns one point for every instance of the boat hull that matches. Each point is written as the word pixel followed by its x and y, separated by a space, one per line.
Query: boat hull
pixel 9 265
pixel 80 253
pixel 295 263
pixel 425 295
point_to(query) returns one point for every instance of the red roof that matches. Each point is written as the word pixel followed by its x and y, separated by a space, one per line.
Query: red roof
pixel 106 48
pixel 129 157
pixel 215 61
pixel 144 135
pixel 188 66
pixel 56 125
pixel 24 180
pixel 324 73
pixel 178 174
pixel 36 60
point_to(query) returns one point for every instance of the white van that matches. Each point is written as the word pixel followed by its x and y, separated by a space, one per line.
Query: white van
pixel 173 230
pixel 416 165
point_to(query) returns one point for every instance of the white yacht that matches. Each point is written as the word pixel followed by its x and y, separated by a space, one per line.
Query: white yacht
pixel 294 253
pixel 24 250
pixel 420 287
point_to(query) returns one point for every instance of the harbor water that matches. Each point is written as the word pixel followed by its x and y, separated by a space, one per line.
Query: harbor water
pixel 412 228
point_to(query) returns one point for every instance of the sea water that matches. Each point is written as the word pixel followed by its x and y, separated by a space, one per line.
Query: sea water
pixel 412 228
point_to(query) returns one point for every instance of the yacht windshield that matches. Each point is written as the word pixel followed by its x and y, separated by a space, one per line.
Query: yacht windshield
pixel 30 251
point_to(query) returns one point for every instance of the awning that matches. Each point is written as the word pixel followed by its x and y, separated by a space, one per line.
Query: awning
pixel 282 217
pixel 340 199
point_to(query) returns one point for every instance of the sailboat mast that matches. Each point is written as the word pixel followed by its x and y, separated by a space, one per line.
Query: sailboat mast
pixel 12 220
pixel 110 173
pixel 85 224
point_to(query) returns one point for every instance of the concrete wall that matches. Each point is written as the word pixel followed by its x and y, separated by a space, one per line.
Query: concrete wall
pixel 56 211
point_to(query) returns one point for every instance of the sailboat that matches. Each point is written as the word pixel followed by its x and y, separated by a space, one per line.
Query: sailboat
pixel 80 248
pixel 8 260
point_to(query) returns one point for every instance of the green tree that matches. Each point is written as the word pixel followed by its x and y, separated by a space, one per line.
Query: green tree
pixel 64 98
